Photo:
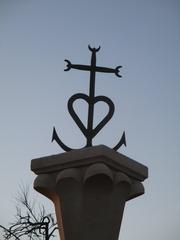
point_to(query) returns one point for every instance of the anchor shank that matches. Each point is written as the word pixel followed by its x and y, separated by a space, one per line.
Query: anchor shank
pixel 91 99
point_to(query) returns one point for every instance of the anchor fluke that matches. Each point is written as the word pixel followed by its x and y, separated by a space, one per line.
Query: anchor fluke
pixel 59 142
pixel 121 142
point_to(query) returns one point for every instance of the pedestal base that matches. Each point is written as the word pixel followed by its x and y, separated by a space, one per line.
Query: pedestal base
pixel 89 188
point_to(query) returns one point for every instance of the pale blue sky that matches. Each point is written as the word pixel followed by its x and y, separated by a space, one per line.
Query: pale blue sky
pixel 143 36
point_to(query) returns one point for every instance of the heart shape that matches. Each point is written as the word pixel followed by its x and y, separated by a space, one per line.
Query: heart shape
pixel 78 121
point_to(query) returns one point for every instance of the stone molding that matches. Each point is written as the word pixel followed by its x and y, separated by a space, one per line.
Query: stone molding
pixel 86 156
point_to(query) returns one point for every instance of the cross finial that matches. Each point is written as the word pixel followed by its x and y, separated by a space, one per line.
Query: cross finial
pixel 89 131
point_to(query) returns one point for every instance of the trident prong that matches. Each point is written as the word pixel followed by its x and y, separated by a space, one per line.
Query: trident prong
pixel 68 65
pixel 94 49
pixel 117 71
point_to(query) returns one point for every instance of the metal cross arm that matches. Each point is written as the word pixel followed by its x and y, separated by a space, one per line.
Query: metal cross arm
pixel 93 68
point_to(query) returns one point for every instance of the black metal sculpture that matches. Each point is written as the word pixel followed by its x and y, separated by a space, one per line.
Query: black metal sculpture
pixel 90 132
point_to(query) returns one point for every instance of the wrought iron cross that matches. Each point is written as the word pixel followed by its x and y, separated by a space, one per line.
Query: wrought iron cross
pixel 88 131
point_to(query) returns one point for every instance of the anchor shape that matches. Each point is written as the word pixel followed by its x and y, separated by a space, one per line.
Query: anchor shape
pixel 90 132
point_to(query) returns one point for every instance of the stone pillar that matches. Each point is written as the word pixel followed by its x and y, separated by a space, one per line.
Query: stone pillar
pixel 89 189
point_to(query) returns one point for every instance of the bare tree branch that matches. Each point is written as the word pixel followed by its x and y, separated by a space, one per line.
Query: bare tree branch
pixel 30 221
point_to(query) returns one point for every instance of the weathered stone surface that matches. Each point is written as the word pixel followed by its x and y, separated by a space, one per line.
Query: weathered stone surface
pixel 89 188
pixel 86 156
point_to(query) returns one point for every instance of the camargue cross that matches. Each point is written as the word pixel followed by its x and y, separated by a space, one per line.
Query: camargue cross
pixel 90 132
